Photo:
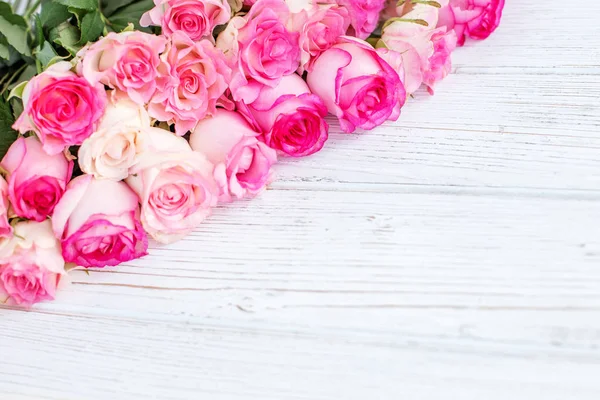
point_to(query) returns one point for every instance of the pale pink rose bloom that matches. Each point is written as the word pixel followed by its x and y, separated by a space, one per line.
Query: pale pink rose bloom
pixel 174 184
pixel 198 75
pixel 357 85
pixel 31 265
pixel 262 46
pixel 476 19
pixel 319 27
pixel 413 41
pixel 36 180
pixel 242 162
pixel 364 15
pixel 194 18
pixel 440 62
pixel 127 62
pixel 97 222
pixel 113 148
pixel 60 107
pixel 5 228
pixel 290 117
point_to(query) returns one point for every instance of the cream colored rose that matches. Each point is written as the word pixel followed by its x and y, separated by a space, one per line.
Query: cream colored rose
pixel 114 147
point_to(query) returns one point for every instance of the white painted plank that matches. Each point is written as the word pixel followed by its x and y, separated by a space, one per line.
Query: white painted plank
pixel 378 298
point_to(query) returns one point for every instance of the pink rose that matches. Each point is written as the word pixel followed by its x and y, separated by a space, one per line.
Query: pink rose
pixel 97 221
pixel 30 264
pixel 36 180
pixel 364 15
pixel 175 186
pixel 60 107
pixel 476 19
pixel 242 163
pixel 194 18
pixel 198 76
pixel 291 119
pixel 5 228
pixel 264 46
pixel 319 29
pixel 440 62
pixel 357 85
pixel 127 62
pixel 413 41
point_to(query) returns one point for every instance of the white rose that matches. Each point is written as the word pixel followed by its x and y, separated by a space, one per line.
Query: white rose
pixel 114 147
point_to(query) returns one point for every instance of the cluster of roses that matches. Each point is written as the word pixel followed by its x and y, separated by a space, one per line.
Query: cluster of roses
pixel 168 125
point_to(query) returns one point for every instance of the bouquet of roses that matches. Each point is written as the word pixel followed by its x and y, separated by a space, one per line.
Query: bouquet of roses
pixel 126 119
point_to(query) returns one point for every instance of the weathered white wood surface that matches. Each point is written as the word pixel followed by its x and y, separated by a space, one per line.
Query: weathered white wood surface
pixel 454 254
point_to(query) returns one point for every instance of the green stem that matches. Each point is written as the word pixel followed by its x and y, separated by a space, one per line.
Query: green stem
pixel 31 9
pixel 12 77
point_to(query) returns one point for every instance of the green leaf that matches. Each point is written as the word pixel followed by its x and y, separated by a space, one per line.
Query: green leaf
pixel 110 6
pixel 4 52
pixel 7 134
pixel 92 26
pixel 90 5
pixel 53 14
pixel 17 91
pixel 45 53
pixel 16 36
pixel 131 14
pixel 39 30
pixel 67 36
pixel 17 107
pixel 7 13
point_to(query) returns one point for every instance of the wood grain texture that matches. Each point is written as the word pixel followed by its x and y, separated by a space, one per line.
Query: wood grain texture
pixel 454 254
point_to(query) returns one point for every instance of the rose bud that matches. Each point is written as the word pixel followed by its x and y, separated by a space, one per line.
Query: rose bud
pixel 5 228
pixel 36 180
pixel 31 265
pixel 262 47
pixel 97 222
pixel 198 75
pixel 291 119
pixel 114 147
pixel 61 108
pixel 364 15
pixel 476 19
pixel 175 186
pixel 194 18
pixel 425 51
pixel 319 27
pixel 127 62
pixel 242 162
pixel 357 85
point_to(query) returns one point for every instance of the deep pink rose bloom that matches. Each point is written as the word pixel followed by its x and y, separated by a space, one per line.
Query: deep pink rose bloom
pixel 97 221
pixel 357 85
pixel 242 162
pixel 476 19
pixel 175 186
pixel 364 15
pixel 291 118
pixel 61 108
pixel 127 62
pixel 440 62
pixel 31 265
pixel 319 28
pixel 5 228
pixel 263 47
pixel 194 18
pixel 36 180
pixel 198 75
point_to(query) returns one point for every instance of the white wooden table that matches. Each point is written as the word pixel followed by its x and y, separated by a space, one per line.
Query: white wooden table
pixel 454 254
